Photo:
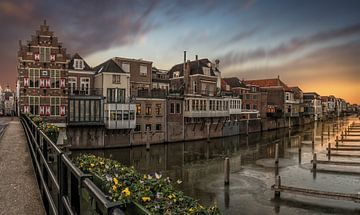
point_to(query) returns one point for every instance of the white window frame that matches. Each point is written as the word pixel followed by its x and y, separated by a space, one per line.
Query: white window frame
pixel 72 80
pixel 55 104
pixel 85 85
pixel 142 71
pixel 44 53
pixel 34 75
pixel 55 78
pixel 125 67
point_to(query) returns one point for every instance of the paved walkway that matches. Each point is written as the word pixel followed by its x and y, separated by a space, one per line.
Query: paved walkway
pixel 19 192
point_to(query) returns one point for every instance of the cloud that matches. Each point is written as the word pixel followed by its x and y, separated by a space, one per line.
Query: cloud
pixel 329 70
pixel 290 47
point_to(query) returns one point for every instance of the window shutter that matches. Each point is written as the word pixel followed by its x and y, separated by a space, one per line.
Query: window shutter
pixel 42 82
pixel 62 110
pixel 37 56
pixel 26 109
pixel 42 110
pixel 26 82
pixel 62 82
pixel 47 82
pixel 47 110
pixel 52 57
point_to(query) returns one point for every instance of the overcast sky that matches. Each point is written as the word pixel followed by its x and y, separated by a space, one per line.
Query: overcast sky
pixel 312 44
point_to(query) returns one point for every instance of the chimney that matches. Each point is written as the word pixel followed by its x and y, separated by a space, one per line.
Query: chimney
pixel 278 80
pixel 217 61
pixel 184 62
pixel 186 77
pixel 196 57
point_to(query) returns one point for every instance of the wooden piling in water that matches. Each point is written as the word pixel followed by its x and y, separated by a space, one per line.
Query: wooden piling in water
pixel 314 161
pixel 276 159
pixel 329 151
pixel 227 171
pixel 277 185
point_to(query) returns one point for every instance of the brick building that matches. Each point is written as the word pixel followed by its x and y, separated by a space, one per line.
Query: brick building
pixel 280 97
pixel 42 74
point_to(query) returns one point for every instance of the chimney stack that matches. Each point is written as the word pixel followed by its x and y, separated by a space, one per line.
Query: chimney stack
pixel 184 62
pixel 196 57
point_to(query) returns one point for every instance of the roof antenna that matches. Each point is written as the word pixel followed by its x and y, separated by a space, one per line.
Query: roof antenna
pixel 44 21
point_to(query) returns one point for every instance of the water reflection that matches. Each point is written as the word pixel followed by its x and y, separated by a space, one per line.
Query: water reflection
pixel 199 164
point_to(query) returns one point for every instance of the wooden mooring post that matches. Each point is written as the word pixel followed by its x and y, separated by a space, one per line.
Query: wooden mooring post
pixel 277 185
pixel 314 161
pixel 342 136
pixel 227 171
pixel 276 159
pixel 329 151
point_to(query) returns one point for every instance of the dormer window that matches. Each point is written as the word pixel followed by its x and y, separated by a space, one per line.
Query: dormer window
pixel 176 74
pixel 79 64
pixel 206 71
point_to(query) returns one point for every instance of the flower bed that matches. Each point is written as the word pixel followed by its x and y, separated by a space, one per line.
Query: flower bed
pixel 52 131
pixel 156 193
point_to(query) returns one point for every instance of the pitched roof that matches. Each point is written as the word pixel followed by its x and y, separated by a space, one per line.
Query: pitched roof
pixel 196 67
pixel 234 82
pixel 109 66
pixel 77 56
pixel 274 82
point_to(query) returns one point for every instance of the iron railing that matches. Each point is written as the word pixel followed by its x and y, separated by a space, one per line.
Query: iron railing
pixel 64 188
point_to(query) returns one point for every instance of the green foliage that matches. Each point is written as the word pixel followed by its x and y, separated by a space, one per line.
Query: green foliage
pixel 52 131
pixel 125 185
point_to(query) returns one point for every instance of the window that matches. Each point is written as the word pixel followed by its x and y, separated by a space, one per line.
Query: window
pixel 148 110
pixel 55 78
pixel 248 96
pixel 172 108
pixel 137 128
pixel 176 74
pixel 248 106
pixel 44 54
pixel 194 87
pixel 125 67
pixel 126 115
pixel 254 97
pixel 72 84
pixel 119 115
pixel 143 70
pixel 79 64
pixel 34 102
pixel 113 115
pixel 206 71
pixel 148 127
pixel 178 108
pixel 132 115
pixel 138 109
pixel 34 77
pixel 158 109
pixel 85 86
pixel 158 127
pixel 116 79
pixel 115 95
pixel 55 106
pixel 255 107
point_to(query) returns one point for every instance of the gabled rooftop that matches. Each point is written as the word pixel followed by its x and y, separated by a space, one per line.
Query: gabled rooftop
pixel 78 57
pixel 234 82
pixel 109 66
pixel 265 83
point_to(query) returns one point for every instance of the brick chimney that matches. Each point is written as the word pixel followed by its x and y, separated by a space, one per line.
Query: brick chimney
pixel 187 77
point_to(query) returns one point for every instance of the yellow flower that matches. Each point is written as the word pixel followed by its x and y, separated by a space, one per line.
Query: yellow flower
pixel 115 181
pixel 146 199
pixel 114 188
pixel 92 165
pixel 191 210
pixel 145 177
pixel 126 192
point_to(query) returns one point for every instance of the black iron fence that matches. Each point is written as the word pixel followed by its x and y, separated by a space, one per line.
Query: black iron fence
pixel 64 188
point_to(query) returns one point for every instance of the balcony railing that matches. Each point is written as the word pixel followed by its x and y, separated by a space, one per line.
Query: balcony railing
pixel 154 93
pixel 120 116
pixel 83 91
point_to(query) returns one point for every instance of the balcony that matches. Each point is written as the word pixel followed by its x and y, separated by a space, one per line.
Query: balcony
pixel 249 111
pixel 154 93
pixel 120 116
pixel 85 111
pixel 84 91
pixel 206 107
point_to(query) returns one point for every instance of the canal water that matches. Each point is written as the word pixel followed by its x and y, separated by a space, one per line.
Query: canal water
pixel 200 166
